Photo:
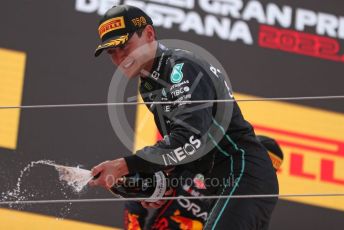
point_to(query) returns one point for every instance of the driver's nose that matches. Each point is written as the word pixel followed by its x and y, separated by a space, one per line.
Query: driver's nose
pixel 117 56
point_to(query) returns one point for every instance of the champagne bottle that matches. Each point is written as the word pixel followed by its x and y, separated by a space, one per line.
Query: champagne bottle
pixel 141 185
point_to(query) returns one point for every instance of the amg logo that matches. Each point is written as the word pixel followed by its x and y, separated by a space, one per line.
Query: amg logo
pixel 179 154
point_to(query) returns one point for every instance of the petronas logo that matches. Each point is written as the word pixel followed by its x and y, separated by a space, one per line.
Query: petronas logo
pixel 177 74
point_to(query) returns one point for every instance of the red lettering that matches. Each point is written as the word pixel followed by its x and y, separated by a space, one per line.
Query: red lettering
pixel 337 148
pixel 288 41
pixel 296 166
pixel 117 23
pixel 162 224
pixel 327 172
pixel 300 43
pixel 307 45
pixel 268 37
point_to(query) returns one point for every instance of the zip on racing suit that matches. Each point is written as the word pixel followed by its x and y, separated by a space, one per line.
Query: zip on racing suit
pixel 204 142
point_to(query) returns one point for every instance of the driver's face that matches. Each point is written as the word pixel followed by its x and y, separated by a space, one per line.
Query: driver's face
pixel 133 57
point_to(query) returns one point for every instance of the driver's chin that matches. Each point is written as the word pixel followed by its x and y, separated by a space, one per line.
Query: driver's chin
pixel 131 72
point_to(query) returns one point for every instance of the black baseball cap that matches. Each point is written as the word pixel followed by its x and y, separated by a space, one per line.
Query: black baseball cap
pixel 118 24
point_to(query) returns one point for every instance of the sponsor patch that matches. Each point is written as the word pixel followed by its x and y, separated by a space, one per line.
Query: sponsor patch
pixel 180 153
pixel 163 92
pixel 179 84
pixel 180 91
pixel 111 25
pixel 179 102
pixel 167 108
pixel 155 75
pixel 199 181
pixel 177 74
pixel 148 86
pixel 191 191
pixel 139 22
pixel 194 208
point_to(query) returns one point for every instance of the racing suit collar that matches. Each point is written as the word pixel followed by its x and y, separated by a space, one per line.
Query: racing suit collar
pixel 157 64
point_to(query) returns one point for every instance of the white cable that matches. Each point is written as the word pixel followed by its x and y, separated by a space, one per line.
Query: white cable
pixel 170 198
pixel 170 102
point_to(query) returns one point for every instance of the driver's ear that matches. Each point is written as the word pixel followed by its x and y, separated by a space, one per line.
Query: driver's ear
pixel 149 33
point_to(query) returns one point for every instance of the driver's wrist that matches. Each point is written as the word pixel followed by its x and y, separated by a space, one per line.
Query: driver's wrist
pixel 121 166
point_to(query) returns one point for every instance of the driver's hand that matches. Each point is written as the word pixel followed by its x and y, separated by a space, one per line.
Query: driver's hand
pixel 110 173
